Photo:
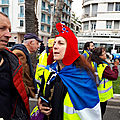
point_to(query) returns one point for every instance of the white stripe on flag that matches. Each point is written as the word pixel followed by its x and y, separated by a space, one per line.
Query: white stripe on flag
pixel 90 114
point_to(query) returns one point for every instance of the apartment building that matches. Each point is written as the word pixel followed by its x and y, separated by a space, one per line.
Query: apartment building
pixel 101 23
pixel 46 13
pixel 15 9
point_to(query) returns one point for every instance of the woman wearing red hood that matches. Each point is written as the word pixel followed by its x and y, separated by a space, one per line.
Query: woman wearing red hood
pixel 68 85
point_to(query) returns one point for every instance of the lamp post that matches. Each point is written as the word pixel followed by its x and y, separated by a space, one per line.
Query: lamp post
pixel 52 14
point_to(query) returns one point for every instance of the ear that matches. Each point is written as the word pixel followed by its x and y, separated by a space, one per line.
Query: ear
pixel 88 48
pixel 30 42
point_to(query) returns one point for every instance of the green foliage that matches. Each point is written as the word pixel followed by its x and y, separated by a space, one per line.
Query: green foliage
pixel 116 86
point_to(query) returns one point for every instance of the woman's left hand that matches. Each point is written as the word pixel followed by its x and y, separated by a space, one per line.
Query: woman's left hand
pixel 45 110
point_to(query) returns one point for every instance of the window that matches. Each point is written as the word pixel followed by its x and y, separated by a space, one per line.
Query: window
pixel 87 10
pixel 93 25
pixel 21 11
pixel 5 1
pixel 116 24
pixel 5 10
pixel 86 26
pixel 42 37
pixel 94 9
pixel 117 7
pixel 48 20
pixel 21 0
pixel 21 23
pixel 43 5
pixel 110 6
pixel 42 27
pixel 49 8
pixel 48 29
pixel 43 18
pixel 108 24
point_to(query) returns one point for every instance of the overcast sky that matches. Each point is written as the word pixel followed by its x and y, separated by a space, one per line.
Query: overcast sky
pixel 77 7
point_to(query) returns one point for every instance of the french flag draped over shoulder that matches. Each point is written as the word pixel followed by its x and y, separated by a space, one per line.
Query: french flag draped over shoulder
pixel 82 91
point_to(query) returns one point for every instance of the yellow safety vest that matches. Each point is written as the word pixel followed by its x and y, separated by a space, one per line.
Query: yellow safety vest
pixel 40 67
pixel 69 111
pixel 105 89
pixel 86 52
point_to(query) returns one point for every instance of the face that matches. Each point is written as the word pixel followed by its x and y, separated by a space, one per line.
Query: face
pixel 91 47
pixel 5 29
pixel 59 48
pixel 34 45
pixel 103 56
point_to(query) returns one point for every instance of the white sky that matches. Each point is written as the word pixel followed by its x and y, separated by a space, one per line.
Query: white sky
pixel 77 7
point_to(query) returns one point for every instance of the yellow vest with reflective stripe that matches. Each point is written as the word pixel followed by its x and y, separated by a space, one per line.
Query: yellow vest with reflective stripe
pixel 105 89
pixel 69 112
pixel 86 53
pixel 41 67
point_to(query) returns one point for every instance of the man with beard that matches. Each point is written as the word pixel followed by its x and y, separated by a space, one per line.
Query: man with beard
pixel 88 48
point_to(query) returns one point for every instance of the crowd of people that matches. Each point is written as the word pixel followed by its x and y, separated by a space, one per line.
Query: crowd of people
pixel 69 85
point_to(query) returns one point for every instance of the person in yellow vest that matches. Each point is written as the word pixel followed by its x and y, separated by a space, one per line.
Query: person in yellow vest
pixel 42 62
pixel 88 48
pixel 106 75
pixel 68 90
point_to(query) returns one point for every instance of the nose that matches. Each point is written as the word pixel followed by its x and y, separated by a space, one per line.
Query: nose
pixel 55 45
pixel 7 33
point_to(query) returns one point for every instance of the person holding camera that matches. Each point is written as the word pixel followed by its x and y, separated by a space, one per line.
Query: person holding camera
pixel 106 75
pixel 68 87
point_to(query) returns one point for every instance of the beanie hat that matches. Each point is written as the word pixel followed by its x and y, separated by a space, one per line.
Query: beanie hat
pixel 71 53
pixel 31 36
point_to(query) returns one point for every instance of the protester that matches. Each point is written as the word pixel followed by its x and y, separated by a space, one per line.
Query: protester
pixel 14 104
pixel 69 83
pixel 88 48
pixel 23 51
pixel 42 62
pixel 106 75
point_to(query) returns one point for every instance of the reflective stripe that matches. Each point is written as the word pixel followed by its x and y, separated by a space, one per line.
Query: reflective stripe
pixel 69 110
pixel 41 66
pixel 106 80
pixel 38 81
pixel 103 91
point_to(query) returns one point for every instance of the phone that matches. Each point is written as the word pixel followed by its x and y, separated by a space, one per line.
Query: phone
pixel 45 102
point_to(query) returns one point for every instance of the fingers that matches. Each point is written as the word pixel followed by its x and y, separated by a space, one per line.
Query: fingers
pixel 116 63
pixel 43 109
pixel 46 110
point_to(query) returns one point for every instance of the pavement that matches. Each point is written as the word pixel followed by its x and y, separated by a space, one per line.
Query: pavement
pixel 112 111
pixel 113 108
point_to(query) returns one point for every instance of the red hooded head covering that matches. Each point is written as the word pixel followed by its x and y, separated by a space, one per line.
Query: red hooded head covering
pixel 71 53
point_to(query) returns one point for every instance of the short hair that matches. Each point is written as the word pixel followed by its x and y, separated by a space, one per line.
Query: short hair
pixel 87 44
pixel 1 13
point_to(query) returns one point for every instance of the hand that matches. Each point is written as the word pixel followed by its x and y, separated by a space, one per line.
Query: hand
pixel 43 109
pixel 116 63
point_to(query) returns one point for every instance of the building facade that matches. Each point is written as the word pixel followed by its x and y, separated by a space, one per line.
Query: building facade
pixel 15 9
pixel 101 23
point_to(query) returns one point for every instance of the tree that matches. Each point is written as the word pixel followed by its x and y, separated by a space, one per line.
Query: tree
pixel 57 16
pixel 31 22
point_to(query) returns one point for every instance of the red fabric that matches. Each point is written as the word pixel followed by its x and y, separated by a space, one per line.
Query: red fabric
pixel 18 82
pixel 110 74
pixel 71 53
pixel 50 58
